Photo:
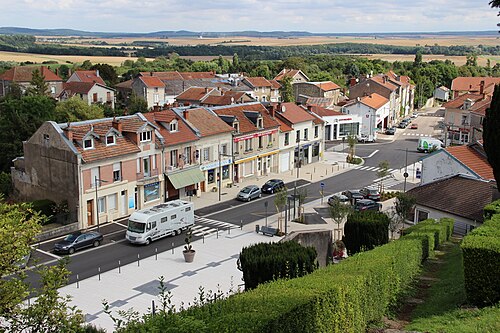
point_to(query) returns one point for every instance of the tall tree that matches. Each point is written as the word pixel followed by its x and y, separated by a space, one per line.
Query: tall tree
pixel 107 72
pixel 38 86
pixel 495 4
pixel 76 109
pixel 136 104
pixel 287 90
pixel 491 134
pixel 338 212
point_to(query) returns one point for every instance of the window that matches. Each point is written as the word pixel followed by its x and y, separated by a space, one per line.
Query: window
pixel 94 174
pixel 316 131
pixel 52 90
pixel 101 203
pixel 260 121
pixel 145 136
pixel 117 173
pixel 236 126
pixel 108 96
pixel 88 144
pixel 94 98
pixel 110 140
pixel 422 215
pixel 206 154
pixel 163 219
pixel 111 200
pixel 146 165
pixel 287 139
pixel 223 149
pixel 156 98
pixel 269 140
pixel 46 137
pixel 236 148
pixel 225 172
pixel 248 145
pixel 153 162
pixel 260 141
pixel 305 134
pixel 297 136
pixel 173 158
pixel 173 217
pixel 173 126
pixel 211 176
pixel 187 155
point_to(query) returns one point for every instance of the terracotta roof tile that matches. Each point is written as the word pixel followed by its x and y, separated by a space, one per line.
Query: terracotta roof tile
pixel 448 195
pixel 326 85
pixel 374 101
pixel 162 119
pixel 458 102
pixel 470 157
pixel 196 94
pixel 152 81
pixel 258 81
pixel 481 106
pixel 384 82
pixel 294 113
pixel 207 122
pixel 175 75
pixel 125 84
pixel 89 76
pixel 284 127
pixel 25 74
pixel 275 84
pixel 288 73
pixel 76 87
pixel 462 83
pixel 247 126
pixel 322 112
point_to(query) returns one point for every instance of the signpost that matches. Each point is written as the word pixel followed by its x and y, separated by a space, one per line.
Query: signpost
pixel 322 185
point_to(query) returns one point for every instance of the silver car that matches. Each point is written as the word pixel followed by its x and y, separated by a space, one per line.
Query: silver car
pixel 249 192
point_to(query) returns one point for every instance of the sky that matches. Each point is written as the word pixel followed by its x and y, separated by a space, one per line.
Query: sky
pixel 321 16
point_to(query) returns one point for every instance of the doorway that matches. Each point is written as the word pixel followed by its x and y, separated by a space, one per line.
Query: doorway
pixel 90 212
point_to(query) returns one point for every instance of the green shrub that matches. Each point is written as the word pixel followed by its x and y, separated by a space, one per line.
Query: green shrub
pixel 44 206
pixel 481 257
pixel 265 262
pixel 365 230
pixel 442 230
pixel 491 209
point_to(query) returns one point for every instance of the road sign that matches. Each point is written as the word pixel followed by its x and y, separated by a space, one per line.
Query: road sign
pixel 322 184
pixel 405 174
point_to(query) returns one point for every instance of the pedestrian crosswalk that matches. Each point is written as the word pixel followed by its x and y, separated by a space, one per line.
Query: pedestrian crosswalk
pixel 387 182
pixel 204 226
pixel 372 168
pixel 414 134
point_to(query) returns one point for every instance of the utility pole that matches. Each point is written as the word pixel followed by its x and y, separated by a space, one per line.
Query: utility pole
pixel 405 175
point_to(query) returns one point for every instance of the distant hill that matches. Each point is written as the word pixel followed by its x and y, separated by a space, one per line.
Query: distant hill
pixel 272 34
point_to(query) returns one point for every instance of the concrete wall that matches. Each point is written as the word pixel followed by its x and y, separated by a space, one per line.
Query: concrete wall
pixel 321 240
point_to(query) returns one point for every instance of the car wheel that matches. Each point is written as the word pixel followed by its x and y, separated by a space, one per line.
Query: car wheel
pixel 71 250
pixel 248 200
pixel 97 243
pixel 179 231
pixel 148 241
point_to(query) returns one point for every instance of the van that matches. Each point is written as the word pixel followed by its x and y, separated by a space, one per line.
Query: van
pixel 170 218
pixel 427 144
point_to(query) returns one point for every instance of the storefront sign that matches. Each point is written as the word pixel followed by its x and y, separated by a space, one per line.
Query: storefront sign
pixel 151 191
pixel 215 164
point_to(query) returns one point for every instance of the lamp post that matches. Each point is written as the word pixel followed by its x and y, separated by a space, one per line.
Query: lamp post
pixel 96 184
pixel 265 205
pixel 405 175
pixel 220 171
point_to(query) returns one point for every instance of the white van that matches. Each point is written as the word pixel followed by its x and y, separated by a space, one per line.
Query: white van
pixel 427 144
pixel 170 218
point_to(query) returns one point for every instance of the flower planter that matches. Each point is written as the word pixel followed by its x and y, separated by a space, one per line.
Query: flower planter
pixel 189 255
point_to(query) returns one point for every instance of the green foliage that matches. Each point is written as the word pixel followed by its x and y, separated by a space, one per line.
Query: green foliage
pixel 491 135
pixel 137 104
pixel 491 209
pixel 107 72
pixel 365 230
pixel 404 205
pixel 265 262
pixel 76 109
pixel 38 86
pixel 5 184
pixel 338 211
pixel 481 256
pixel 436 232
pixel 44 206
pixel 286 90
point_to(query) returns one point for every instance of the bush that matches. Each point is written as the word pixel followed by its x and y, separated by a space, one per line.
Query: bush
pixel 365 230
pixel 481 257
pixel 491 209
pixel 265 262
pixel 44 206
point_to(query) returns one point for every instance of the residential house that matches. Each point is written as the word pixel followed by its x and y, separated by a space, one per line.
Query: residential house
pixel 374 111
pixel 103 168
pixel 447 198
pixel 324 89
pixel 296 74
pixel 262 89
pixel 338 126
pixel 255 139
pixel 406 94
pixel 90 92
pixel 86 76
pixel 151 89
pixel 180 162
pixel 196 95
pixel 457 117
pixel 442 94
pixel 469 160
pixel 462 85
pixel 477 115
pixel 228 98
pixel 24 75
pixel 213 148
pixel 307 136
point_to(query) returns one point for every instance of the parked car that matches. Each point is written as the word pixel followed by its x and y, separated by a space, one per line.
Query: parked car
pixel 366 205
pixel 366 138
pixel 353 195
pixel 272 186
pixel 413 116
pixel 414 126
pixel 23 262
pixel 402 124
pixel 370 193
pixel 78 240
pixel 339 197
pixel 390 131
pixel 249 192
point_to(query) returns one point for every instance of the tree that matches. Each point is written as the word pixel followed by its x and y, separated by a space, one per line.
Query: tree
pixel 491 134
pixel 48 312
pixel 137 104
pixel 235 66
pixel 382 172
pixel 76 109
pixel 38 86
pixel 301 196
pixel 287 90
pixel 403 206
pixel 351 142
pixel 279 203
pixel 418 59
pixel 338 212
pixel 107 72
pixel 495 4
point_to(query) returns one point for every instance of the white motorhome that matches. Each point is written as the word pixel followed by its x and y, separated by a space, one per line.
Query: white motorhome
pixel 427 144
pixel 170 218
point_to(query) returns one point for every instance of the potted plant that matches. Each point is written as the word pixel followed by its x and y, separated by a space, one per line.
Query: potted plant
pixel 188 248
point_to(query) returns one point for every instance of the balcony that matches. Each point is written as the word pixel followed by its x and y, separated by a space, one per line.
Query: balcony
pixel 145 176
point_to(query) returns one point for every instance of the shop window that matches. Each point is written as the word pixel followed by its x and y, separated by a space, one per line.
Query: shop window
pixel 287 139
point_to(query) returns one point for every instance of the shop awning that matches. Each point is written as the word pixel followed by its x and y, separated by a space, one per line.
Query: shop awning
pixel 186 178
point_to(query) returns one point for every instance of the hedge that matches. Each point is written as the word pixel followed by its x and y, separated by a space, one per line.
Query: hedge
pixel 365 230
pixel 344 297
pixel 481 256
pixel 490 209
pixel 441 230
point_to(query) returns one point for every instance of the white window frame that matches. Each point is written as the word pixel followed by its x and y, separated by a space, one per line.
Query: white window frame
pixel 206 154
pixel 110 143
pixel 146 136
pixel 117 168
pixel 85 141
pixel 173 126
pixel 101 205
pixel 94 173
pixel 112 202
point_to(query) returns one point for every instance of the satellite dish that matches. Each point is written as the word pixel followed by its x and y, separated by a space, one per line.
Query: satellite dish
pixel 283 108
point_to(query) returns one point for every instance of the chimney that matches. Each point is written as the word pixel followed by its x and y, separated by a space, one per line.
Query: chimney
pixel 206 90
pixel 353 81
pixel 481 88
pixel 272 109
pixel 97 72
pixel 68 131
pixel 150 73
pixel 175 104
pixel 185 114
pixel 117 125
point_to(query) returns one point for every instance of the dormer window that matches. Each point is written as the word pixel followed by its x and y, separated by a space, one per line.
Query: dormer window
pixel 146 136
pixel 260 123
pixel 110 140
pixel 173 126
pixel 88 143
pixel 236 126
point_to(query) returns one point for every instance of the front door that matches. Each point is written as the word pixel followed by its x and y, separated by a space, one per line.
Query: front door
pixel 90 212
pixel 124 204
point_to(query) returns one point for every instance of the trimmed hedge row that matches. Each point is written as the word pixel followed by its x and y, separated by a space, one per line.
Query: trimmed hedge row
pixel 436 232
pixel 481 256
pixel 338 298
pixel 365 230
pixel 490 209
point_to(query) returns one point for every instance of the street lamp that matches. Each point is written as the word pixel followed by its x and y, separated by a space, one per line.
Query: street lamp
pixel 96 184
pixel 220 171
pixel 265 205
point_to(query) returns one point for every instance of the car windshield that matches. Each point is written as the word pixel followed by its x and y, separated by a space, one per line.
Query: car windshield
pixel 136 226
pixel 372 191
pixel 71 237
pixel 246 190
pixel 271 182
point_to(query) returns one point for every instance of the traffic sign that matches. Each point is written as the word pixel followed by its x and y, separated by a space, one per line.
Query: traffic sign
pixel 322 184
pixel 405 174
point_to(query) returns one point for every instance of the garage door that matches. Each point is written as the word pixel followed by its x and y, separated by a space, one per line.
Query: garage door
pixel 284 162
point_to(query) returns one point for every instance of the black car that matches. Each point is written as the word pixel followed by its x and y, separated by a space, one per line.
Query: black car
pixel 78 240
pixel 272 186
pixel 403 124
pixel 367 204
pixel 390 131
pixel 338 198
pixel 353 195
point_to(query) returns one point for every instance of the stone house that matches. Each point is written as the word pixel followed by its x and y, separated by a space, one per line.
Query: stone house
pixel 23 76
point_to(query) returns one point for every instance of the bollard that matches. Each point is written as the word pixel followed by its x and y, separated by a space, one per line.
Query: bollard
pixel 77 282
pixel 172 248
pixel 153 309
pixel 203 236
pixel 229 230
pixel 99 272
pixel 241 224
pixel 156 253
pixel 119 267
pixel 138 260
pixel 217 233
